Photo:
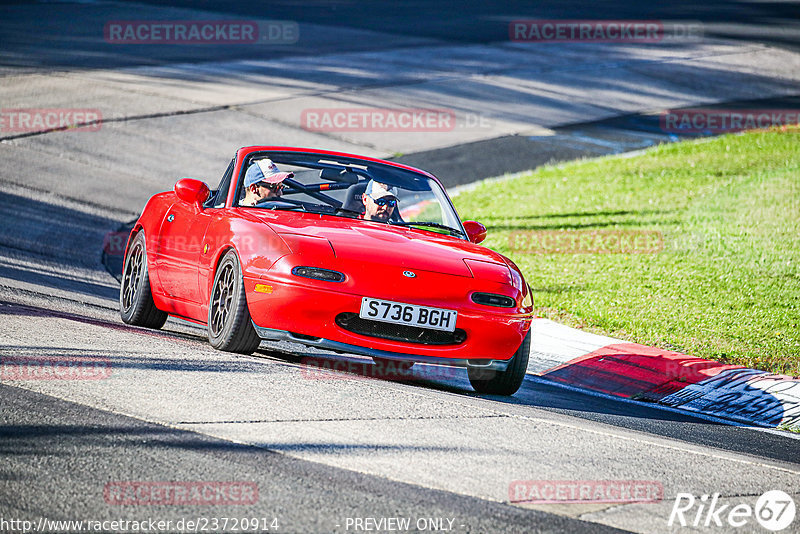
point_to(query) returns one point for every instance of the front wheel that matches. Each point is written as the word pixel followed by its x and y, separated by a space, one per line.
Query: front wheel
pixel 136 304
pixel 229 325
pixel 503 382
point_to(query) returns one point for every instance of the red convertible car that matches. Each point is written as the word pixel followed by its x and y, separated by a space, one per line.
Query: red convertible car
pixel 341 252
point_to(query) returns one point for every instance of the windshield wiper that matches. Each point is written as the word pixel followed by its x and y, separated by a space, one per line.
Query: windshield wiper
pixel 454 231
pixel 299 207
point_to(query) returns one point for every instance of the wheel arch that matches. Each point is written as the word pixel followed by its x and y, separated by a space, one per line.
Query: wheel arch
pixel 221 252
pixel 212 272
pixel 138 227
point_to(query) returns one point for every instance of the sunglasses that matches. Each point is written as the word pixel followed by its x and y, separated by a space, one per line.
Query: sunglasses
pixel 273 187
pixel 385 202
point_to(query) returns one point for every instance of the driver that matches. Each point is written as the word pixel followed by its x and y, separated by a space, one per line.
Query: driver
pixel 263 181
pixel 380 200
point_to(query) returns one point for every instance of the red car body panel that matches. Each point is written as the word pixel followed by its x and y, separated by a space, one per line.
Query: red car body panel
pixel 186 242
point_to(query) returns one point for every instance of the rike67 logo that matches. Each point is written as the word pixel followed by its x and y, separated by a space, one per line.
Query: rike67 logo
pixel 774 510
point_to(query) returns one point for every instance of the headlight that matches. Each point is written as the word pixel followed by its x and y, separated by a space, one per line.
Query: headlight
pixel 318 274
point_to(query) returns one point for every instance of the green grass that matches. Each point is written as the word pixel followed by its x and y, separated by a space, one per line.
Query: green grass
pixel 726 285
pixel 788 428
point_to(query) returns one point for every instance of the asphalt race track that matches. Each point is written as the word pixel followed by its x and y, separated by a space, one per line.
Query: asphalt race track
pixel 336 451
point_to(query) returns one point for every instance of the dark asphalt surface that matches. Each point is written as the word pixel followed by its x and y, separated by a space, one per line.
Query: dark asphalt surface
pixel 59 456
pixel 70 40
pixel 473 21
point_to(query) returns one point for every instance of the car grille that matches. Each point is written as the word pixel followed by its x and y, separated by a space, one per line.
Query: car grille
pixel 398 332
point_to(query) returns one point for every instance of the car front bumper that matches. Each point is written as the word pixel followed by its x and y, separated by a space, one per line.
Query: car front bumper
pixel 306 313
pixel 270 334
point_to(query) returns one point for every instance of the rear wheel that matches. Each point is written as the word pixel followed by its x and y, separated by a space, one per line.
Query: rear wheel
pixel 136 304
pixel 229 325
pixel 503 382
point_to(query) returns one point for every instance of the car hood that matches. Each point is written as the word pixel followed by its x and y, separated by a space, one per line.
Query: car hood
pixel 376 244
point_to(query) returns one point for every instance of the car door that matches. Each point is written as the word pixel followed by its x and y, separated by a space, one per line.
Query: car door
pixel 179 247
pixel 181 244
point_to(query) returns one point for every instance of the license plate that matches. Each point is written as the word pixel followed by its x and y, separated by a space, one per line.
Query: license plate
pixel 408 314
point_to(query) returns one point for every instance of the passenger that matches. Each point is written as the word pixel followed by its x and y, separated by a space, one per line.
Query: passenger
pixel 379 200
pixel 263 181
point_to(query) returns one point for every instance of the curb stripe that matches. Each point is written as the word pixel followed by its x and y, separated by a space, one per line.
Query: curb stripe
pixel 745 394
pixel 639 372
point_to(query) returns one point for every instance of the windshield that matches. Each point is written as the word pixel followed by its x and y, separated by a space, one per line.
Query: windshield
pixel 346 187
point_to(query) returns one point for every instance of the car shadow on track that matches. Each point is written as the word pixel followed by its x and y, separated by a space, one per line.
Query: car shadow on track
pixel 539 393
pixel 535 391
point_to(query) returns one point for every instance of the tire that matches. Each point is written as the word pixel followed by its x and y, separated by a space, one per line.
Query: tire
pixel 229 325
pixel 136 306
pixel 503 382
pixel 387 366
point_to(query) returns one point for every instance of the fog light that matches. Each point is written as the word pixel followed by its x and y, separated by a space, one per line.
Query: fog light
pixel 490 299
pixel 318 274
